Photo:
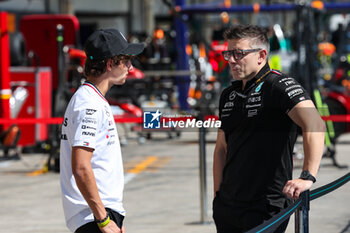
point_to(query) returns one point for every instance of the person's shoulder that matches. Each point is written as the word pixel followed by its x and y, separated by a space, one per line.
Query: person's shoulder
pixel 83 98
pixel 276 75
pixel 85 92
pixel 82 91
pixel 277 78
pixel 277 72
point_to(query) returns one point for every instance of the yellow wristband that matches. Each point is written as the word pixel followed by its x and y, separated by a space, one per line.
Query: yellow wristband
pixel 104 223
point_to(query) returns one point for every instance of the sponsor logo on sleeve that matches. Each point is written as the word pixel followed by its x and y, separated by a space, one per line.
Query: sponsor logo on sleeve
pixel 88 133
pixel 90 111
pixel 292 87
pixel 110 143
pixel 287 83
pixel 295 92
pixel 107 111
pixel 87 127
pixel 89 120
pixel 284 79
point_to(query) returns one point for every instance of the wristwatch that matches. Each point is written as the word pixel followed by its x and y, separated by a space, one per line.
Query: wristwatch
pixel 306 175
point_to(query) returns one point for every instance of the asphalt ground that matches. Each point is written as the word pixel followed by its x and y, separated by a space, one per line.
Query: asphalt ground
pixel 162 191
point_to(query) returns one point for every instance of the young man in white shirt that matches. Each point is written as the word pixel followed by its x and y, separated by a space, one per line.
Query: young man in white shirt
pixel 92 178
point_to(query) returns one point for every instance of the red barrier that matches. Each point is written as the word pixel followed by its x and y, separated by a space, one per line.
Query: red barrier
pixel 30 121
pixel 5 90
pixel 59 120
pixel 337 118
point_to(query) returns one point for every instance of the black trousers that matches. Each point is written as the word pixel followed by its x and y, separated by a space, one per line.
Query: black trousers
pixel 241 217
pixel 92 227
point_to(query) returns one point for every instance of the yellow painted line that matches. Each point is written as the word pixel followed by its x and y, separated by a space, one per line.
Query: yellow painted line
pixel 5 93
pixel 5 96
pixel 38 172
pixel 160 163
pixel 130 164
pixel 143 165
pixel 139 167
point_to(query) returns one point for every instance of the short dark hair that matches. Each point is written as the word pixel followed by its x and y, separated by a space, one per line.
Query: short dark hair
pixel 256 34
pixel 96 68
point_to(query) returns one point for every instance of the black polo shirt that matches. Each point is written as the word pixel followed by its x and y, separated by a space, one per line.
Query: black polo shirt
pixel 260 136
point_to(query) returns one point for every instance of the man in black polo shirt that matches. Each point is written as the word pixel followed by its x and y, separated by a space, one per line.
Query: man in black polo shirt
pixel 260 112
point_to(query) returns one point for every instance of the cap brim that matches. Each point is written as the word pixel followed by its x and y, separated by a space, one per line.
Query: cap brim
pixel 133 49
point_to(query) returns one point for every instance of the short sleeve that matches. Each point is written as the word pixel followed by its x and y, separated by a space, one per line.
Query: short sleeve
pixel 288 92
pixel 85 124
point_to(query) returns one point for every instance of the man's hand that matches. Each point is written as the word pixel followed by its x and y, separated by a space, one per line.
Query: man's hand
pixel 294 188
pixel 112 228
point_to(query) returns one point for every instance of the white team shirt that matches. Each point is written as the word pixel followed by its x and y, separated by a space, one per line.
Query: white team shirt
pixel 89 122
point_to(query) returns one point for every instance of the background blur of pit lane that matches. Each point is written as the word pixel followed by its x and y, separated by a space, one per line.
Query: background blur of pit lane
pixel 181 72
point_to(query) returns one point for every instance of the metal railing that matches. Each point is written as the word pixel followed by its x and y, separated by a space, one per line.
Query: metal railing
pixel 301 208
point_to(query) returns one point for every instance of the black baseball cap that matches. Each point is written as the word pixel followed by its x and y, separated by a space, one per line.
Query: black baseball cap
pixel 106 43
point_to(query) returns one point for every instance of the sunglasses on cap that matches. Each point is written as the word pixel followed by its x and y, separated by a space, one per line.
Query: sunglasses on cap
pixel 237 54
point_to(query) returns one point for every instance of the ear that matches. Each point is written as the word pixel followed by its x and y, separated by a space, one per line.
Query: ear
pixel 262 56
pixel 109 65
